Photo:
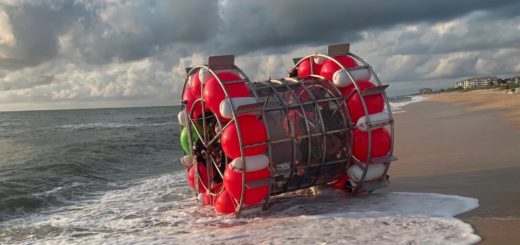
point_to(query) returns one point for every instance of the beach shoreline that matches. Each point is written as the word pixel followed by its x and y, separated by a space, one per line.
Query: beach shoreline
pixel 483 100
pixel 454 144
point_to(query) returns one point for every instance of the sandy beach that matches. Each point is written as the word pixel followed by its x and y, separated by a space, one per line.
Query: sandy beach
pixel 481 100
pixel 465 144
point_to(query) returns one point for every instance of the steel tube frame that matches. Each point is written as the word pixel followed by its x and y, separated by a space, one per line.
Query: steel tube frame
pixel 284 84
pixel 363 102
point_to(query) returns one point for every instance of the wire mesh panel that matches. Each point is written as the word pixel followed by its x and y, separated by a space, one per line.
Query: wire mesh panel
pixel 309 129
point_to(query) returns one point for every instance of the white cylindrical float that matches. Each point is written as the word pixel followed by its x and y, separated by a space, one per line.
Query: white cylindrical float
pixel 342 79
pixel 226 109
pixel 253 163
pixel 183 118
pixel 374 171
pixel 375 119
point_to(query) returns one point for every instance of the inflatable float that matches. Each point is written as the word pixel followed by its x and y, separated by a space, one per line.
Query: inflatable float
pixel 328 123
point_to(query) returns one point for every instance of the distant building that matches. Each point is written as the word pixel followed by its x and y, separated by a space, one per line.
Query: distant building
pixel 425 91
pixel 477 82
pixel 514 80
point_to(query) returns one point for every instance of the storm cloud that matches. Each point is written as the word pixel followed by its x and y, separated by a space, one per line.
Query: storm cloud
pixel 252 25
pixel 108 52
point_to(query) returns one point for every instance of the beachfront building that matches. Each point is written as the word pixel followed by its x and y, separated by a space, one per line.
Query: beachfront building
pixel 425 91
pixel 515 80
pixel 477 82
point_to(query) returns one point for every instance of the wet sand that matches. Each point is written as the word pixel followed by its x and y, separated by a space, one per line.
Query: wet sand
pixel 453 149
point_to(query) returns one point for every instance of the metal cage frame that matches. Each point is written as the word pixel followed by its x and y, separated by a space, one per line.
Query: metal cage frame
pixel 216 63
pixel 344 49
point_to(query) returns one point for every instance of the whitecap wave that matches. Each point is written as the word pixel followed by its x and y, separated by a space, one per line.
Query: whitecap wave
pixel 397 107
pixel 162 211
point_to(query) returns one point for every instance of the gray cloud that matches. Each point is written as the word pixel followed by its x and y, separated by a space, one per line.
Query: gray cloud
pixel 102 32
pixel 116 52
pixel 131 30
pixel 36 29
pixel 13 83
pixel 474 32
pixel 253 25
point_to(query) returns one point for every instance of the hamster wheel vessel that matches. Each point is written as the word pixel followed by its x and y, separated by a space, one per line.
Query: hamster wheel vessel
pixel 329 122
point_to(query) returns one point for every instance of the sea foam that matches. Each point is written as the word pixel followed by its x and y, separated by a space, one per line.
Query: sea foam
pixel 162 210
pixel 397 106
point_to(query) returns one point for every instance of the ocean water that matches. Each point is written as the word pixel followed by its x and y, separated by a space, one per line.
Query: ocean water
pixel 112 176
pixel 53 158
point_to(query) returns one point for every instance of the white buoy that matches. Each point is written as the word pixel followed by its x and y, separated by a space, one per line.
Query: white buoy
pixel 376 118
pixel 187 160
pixel 253 163
pixel 204 75
pixel 183 118
pixel 225 107
pixel 318 60
pixel 341 79
pixel 374 171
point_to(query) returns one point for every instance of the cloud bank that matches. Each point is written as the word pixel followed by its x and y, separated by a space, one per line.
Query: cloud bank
pixel 67 54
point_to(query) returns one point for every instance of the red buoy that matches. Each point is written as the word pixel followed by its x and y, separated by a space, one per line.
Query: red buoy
pixel 195 84
pixel 340 183
pixel 233 185
pixel 381 142
pixel 304 69
pixel 252 131
pixel 203 181
pixel 190 100
pixel 214 94
pixel 329 66
pixel 204 198
pixel 375 103
pixel 224 204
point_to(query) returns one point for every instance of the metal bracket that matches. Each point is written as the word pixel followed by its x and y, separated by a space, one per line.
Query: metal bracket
pixel 255 209
pixel 221 61
pixel 374 185
pixel 338 49
pixel 374 90
pixel 259 183
pixel 250 108
pixel 385 159
pixel 296 60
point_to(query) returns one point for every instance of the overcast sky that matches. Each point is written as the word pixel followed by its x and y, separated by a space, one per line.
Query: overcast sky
pixel 113 53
